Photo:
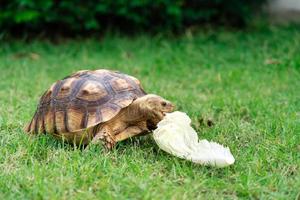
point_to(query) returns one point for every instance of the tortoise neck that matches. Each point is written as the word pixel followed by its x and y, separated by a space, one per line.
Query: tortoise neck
pixel 135 111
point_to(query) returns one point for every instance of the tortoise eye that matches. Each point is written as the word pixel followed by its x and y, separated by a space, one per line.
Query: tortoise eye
pixel 163 103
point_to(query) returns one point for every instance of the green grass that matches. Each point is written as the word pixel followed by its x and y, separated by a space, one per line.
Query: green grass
pixel 248 83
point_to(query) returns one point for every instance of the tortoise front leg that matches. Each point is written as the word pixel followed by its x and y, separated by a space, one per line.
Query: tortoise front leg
pixel 105 136
pixel 131 131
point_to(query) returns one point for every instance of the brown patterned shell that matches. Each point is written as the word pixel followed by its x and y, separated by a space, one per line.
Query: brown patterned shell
pixel 83 100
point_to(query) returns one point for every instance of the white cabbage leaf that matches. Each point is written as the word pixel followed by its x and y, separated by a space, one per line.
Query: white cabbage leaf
pixel 175 135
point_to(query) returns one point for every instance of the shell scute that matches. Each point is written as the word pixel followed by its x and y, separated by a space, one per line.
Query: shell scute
pixel 75 117
pixel 120 85
pixel 92 91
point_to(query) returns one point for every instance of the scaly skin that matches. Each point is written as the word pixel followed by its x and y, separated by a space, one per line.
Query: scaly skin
pixel 138 118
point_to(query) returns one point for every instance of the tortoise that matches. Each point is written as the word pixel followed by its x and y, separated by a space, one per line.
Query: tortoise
pixel 97 106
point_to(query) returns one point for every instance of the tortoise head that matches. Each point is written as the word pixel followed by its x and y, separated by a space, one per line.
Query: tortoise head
pixel 154 104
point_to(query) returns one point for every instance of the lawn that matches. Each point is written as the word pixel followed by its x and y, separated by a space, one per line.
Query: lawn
pixel 247 83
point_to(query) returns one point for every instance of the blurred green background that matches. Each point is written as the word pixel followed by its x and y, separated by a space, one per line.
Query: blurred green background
pixel 77 17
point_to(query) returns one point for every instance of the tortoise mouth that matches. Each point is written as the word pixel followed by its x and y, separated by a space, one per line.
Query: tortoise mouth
pixel 163 112
pixel 170 108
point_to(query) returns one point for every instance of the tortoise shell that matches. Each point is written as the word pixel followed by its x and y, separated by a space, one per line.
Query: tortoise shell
pixel 84 99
